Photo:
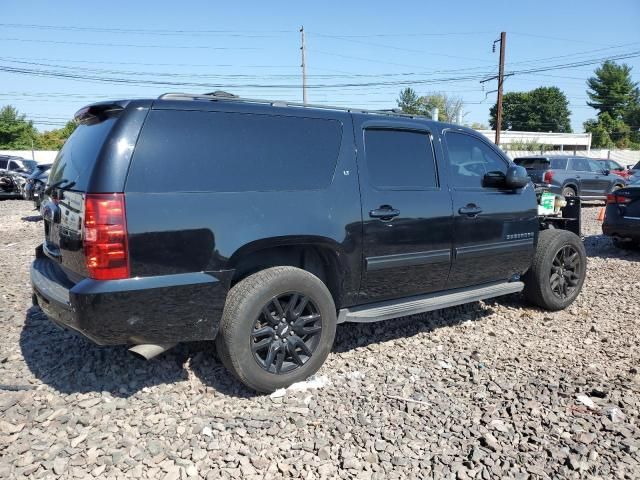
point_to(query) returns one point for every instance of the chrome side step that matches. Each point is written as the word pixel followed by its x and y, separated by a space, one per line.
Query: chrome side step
pixel 403 307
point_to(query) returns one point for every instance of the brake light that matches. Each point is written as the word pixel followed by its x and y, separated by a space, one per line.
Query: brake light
pixel 105 236
pixel 614 199
pixel 548 176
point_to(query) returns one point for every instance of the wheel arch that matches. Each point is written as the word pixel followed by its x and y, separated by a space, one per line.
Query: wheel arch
pixel 320 256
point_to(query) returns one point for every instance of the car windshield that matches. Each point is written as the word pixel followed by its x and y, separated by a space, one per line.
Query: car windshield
pixel 30 165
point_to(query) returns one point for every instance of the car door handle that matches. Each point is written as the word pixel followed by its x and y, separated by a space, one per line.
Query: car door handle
pixel 385 212
pixel 470 210
pixel 577 176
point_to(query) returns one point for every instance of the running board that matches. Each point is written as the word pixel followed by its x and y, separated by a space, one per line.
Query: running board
pixel 403 307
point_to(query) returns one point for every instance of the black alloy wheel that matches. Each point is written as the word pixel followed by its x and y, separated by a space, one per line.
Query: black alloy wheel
pixel 286 333
pixel 565 272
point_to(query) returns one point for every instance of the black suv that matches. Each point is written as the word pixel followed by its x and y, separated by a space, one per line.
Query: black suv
pixel 292 219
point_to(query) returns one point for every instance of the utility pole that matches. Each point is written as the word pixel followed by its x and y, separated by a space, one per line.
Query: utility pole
pixel 304 68
pixel 500 77
pixel 503 41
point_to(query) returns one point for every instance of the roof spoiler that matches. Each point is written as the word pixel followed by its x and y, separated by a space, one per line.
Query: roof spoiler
pixel 98 112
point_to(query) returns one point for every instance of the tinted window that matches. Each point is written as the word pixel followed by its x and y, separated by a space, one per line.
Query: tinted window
pixel 3 164
pixel 533 163
pixel 596 166
pixel 559 163
pixel 78 155
pixel 579 164
pixel 400 159
pixel 194 151
pixel 470 159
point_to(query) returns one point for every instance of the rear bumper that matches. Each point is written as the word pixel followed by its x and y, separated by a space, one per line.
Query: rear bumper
pixel 162 309
pixel 616 225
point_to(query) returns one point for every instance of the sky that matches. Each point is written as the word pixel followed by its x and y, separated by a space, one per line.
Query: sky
pixel 56 57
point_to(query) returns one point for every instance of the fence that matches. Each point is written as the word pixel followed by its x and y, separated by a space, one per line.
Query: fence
pixel 40 156
pixel 624 157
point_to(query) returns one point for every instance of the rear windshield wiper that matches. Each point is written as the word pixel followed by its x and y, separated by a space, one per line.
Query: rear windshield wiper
pixel 59 185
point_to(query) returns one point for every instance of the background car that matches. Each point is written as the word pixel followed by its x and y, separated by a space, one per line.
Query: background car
pixel 572 176
pixel 622 216
pixel 36 183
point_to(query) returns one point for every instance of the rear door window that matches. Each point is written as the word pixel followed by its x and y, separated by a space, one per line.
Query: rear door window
pixel 195 151
pixel 3 164
pixel 400 159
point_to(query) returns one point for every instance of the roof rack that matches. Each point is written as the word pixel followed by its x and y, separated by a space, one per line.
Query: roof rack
pixel 229 97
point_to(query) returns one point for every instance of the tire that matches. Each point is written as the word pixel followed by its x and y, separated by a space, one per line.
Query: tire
pixel 625 245
pixel 569 192
pixel 546 264
pixel 251 308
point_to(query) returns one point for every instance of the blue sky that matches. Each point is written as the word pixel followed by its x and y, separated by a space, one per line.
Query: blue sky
pixel 243 46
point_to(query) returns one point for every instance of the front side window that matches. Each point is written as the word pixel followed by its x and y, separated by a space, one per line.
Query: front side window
pixel 470 159
pixel 400 159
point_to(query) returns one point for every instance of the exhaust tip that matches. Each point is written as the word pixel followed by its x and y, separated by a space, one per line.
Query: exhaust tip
pixel 147 351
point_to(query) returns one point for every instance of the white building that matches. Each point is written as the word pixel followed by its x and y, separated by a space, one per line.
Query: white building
pixel 560 141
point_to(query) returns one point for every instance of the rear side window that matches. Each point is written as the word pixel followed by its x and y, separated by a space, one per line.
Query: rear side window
pixel 3 164
pixel 558 163
pixel 78 155
pixel 400 159
pixel 194 151
pixel 579 164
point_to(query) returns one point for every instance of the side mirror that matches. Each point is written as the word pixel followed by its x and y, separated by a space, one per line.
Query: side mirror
pixel 606 172
pixel 516 177
pixel 495 179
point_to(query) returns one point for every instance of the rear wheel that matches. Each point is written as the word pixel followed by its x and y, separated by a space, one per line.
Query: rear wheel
pixel 558 270
pixel 277 328
pixel 568 192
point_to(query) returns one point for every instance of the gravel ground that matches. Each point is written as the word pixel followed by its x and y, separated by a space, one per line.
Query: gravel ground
pixel 488 390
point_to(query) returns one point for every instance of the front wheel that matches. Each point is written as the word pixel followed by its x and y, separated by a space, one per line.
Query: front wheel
pixel 277 328
pixel 558 270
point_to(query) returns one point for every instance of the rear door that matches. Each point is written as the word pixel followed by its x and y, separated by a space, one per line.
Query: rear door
pixel 406 210
pixel 587 181
pixel 62 207
pixel 494 230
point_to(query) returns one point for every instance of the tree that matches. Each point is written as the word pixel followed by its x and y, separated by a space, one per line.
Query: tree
pixel 612 90
pixel 54 139
pixel 608 132
pixel 16 132
pixel 545 109
pixel 408 101
pixel 449 108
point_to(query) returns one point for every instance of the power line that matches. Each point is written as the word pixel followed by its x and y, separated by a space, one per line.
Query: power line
pixel 128 45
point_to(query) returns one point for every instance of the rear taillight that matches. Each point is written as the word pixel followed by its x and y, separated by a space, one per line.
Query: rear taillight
pixel 548 176
pixel 614 199
pixel 105 236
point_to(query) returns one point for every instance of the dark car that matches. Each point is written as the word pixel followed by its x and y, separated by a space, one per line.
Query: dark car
pixel 622 216
pixel 35 184
pixel 299 218
pixel 571 176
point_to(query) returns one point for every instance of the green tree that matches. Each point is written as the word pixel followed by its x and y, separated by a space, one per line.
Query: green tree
pixel 608 132
pixel 545 109
pixel 16 132
pixel 408 101
pixel 612 90
pixel 54 139
pixel 449 107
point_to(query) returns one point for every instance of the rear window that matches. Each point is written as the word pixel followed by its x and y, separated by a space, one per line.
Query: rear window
pixel 78 155
pixel 542 163
pixel 192 151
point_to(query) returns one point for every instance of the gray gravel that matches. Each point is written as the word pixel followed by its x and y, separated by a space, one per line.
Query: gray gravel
pixel 492 389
